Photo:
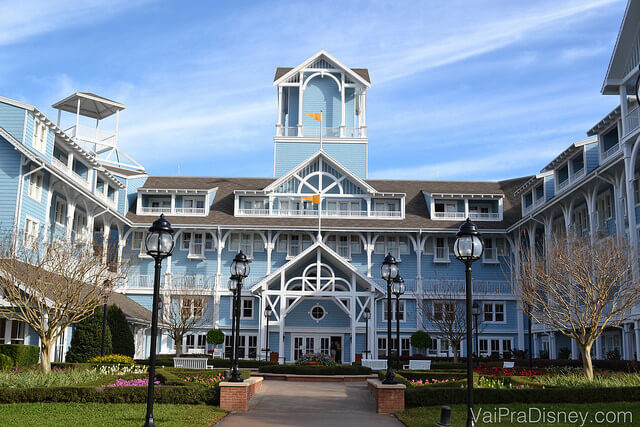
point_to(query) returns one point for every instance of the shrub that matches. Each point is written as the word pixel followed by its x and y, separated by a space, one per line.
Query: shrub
pixel 87 337
pixel 215 337
pixel 23 356
pixel 544 354
pixel 420 339
pixel 613 355
pixel 121 336
pixel 564 353
pixel 316 359
pixel 111 359
pixel 315 370
pixel 5 362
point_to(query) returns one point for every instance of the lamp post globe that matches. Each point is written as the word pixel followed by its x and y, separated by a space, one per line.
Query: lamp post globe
pixel 389 271
pixel 397 287
pixel 239 270
pixel 468 248
pixel 159 245
pixel 366 313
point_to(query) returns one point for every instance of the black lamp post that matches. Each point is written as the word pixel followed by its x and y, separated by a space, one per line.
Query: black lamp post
pixel 389 271
pixel 477 311
pixel 398 289
pixel 468 248
pixel 159 246
pixel 104 319
pixel 267 313
pixel 239 270
pixel 530 341
pixel 367 315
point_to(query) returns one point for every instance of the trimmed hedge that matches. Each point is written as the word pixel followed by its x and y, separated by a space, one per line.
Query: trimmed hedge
pixel 437 375
pixel 23 356
pixel 87 339
pixel 5 362
pixel 429 396
pixel 164 360
pixel 121 336
pixel 316 370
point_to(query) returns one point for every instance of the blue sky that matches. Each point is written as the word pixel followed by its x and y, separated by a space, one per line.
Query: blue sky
pixel 460 90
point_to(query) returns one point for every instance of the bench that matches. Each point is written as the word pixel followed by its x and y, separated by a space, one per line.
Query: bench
pixel 508 365
pixel 191 363
pixel 375 364
pixel 418 365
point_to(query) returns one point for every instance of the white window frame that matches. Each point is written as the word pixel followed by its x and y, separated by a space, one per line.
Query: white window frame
pixel 244 345
pixel 140 241
pixel 446 256
pixel 60 213
pixel 31 230
pixel 403 310
pixel 324 313
pixel 189 303
pixel 40 136
pixel 486 345
pixel 284 244
pixel 445 308
pixel 36 181
pixel 248 242
pixel 604 207
pixel 493 312
pixel 392 244
pixel 243 305
pixel 353 245
pixel 493 243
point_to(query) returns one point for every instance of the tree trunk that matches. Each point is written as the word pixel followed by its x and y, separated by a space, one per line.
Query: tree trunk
pixel 45 356
pixel 587 366
pixel 177 341
pixel 455 353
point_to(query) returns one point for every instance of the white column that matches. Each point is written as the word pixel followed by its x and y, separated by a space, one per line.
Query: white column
pixel 624 108
pixel 575 351
pixel 636 331
pixel 631 208
pixel 369 249
pixel 520 328
pixel 279 125
pixel 627 350
pixel 342 104
pixel 553 354
pixel 282 306
pixel 598 346
pixel 106 231
pixel 536 350
pixel 71 209
pixel 300 93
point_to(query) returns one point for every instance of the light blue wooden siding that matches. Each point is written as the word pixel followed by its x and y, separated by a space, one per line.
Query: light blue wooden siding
pixel 9 178
pixel 32 207
pixel 410 310
pixel 12 120
pixel 293 107
pixel 322 93
pixel 592 156
pixel 291 154
pixel 334 317
pixel 144 300
pixel 353 156
pixel 349 110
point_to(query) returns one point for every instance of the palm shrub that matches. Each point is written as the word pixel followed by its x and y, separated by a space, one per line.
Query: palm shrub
pixel 87 337
pixel 121 335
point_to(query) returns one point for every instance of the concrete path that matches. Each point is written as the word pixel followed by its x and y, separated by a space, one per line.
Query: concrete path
pixel 285 403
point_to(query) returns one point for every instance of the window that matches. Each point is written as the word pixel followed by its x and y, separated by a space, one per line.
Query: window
pixel 495 346
pixel 17 332
pixel 603 206
pixel 247 308
pixel 393 309
pixel 31 230
pixel 443 310
pixel 395 245
pixel 136 240
pixel 441 250
pixel 61 211
pixel 494 312
pixel 197 243
pixel 293 244
pixel 405 343
pixel 40 136
pixel 636 190
pixel 192 205
pixel 343 207
pixel 382 347
pixel 490 253
pixel 191 307
pixel 247 346
pixel 100 185
pixel 317 312
pixel 35 185
pixel 345 245
pixel 247 242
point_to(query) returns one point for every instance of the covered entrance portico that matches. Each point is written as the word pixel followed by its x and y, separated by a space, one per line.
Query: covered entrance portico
pixel 318 300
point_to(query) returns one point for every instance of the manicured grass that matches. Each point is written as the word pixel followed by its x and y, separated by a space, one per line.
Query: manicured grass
pixel 428 416
pixel 95 414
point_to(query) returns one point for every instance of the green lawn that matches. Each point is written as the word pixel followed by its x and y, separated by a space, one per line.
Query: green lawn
pixel 96 414
pixel 593 413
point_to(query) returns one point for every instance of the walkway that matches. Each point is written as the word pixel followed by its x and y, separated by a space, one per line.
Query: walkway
pixel 284 403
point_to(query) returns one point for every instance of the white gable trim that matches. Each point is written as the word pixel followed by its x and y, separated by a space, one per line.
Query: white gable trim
pixel 310 60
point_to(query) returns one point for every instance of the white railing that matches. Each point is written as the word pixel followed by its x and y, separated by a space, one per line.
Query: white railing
pixel 486 287
pixel 90 134
pixel 189 282
pixel 155 210
pixel 139 281
pixel 314 213
pixel 564 184
pixel 484 216
pixel 610 151
pixel 80 180
pixel 106 199
pixel 632 120
pixel 327 132
pixel 411 285
pixel 449 215
pixel 189 211
pixel 60 164
pixel 579 174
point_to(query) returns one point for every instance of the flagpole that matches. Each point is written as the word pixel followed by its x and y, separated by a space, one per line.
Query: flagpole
pixel 319 217
pixel 321 129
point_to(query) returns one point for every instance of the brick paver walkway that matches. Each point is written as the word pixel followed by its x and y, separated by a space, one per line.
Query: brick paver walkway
pixel 285 403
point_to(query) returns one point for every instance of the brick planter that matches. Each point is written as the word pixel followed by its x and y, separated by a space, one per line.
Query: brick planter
pixel 389 397
pixel 236 396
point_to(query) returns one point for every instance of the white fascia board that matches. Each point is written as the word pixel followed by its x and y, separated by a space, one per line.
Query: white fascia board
pixel 15 103
pixel 466 195
pixel 310 60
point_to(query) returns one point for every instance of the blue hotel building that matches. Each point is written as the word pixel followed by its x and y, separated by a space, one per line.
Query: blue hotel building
pixel 73 179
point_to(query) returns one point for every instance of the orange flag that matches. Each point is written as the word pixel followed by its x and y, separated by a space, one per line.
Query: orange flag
pixel 317 116
pixel 313 199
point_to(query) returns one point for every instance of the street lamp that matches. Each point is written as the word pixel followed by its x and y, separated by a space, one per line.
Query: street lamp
pixel 468 248
pixel 105 285
pixel 367 315
pixel 398 289
pixel 159 245
pixel 476 310
pixel 389 271
pixel 267 313
pixel 239 270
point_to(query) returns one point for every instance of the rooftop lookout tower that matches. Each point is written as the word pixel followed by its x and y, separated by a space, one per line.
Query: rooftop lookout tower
pixel 321 83
pixel 100 138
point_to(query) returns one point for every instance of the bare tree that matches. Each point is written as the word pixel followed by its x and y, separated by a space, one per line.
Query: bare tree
pixel 445 311
pixel 579 287
pixel 50 284
pixel 181 314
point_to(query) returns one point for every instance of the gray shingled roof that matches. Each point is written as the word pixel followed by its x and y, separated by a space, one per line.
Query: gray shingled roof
pixel 221 212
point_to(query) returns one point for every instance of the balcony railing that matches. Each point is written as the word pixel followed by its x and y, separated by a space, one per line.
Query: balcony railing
pixel 484 215
pixel 189 211
pixel 90 134
pixel 611 151
pixel 483 287
pixel 314 213
pixel 59 164
pixel 156 210
pixel 327 132
pixel 632 120
pixel 449 215
pixel 148 210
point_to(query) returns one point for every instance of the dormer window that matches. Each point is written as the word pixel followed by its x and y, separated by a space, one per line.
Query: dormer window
pixel 40 136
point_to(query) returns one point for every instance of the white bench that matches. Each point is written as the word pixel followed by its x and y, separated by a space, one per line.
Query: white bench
pixel 375 364
pixel 418 365
pixel 191 363
pixel 508 365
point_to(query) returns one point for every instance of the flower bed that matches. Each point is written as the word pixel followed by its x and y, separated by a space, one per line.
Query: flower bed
pixel 316 359
pixel 207 382
pixel 509 372
pixel 316 370
pixel 138 382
